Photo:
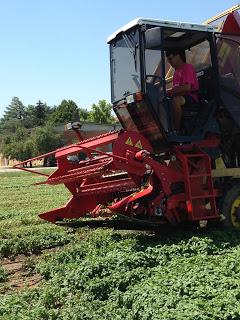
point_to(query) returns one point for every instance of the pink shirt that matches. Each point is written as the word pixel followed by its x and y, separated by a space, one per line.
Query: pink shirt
pixel 187 75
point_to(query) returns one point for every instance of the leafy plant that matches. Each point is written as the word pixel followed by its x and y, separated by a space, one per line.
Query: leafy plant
pixel 3 274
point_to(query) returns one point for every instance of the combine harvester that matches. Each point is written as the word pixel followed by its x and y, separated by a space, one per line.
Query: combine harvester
pixel 153 174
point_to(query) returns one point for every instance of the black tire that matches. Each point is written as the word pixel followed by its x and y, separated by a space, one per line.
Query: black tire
pixel 230 197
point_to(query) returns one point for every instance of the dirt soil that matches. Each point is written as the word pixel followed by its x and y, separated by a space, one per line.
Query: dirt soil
pixel 18 276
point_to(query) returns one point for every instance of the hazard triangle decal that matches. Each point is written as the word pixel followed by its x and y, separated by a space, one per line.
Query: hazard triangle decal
pixel 138 145
pixel 129 142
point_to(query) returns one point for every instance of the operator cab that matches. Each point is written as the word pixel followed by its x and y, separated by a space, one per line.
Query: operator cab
pixel 141 75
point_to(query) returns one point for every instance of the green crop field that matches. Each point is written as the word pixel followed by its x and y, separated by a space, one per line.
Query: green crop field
pixel 51 272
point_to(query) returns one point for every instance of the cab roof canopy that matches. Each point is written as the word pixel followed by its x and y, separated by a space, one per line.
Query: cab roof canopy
pixel 161 23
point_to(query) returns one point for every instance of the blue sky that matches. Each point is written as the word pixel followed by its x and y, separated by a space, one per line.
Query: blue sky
pixel 56 49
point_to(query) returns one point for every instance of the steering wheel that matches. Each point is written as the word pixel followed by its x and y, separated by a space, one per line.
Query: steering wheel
pixel 154 79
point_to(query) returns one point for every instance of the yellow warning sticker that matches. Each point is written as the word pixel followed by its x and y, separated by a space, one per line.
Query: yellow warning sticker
pixel 129 141
pixel 138 145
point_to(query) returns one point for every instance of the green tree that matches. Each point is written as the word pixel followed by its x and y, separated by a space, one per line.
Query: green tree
pixel 84 114
pixel 45 139
pixel 27 143
pixel 40 111
pixel 102 112
pixel 15 110
pixel 37 115
pixel 17 145
pixel 10 126
pixel 67 111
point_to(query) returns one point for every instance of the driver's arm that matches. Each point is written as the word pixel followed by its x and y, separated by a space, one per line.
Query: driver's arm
pixel 179 90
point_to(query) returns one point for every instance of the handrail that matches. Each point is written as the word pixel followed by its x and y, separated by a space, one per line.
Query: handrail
pixel 222 14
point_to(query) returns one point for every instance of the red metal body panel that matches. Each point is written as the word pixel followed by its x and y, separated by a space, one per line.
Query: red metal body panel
pixel 232 23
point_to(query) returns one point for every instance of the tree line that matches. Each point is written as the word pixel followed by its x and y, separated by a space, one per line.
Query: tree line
pixel 28 131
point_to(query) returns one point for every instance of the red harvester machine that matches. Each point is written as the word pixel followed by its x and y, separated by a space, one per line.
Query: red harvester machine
pixel 154 174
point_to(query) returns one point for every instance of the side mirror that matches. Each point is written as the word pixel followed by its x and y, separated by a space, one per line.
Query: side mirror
pixel 153 38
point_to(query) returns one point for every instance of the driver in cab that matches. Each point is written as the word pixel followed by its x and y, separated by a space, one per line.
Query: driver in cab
pixel 185 84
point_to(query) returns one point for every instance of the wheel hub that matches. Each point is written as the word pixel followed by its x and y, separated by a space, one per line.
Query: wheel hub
pixel 235 213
